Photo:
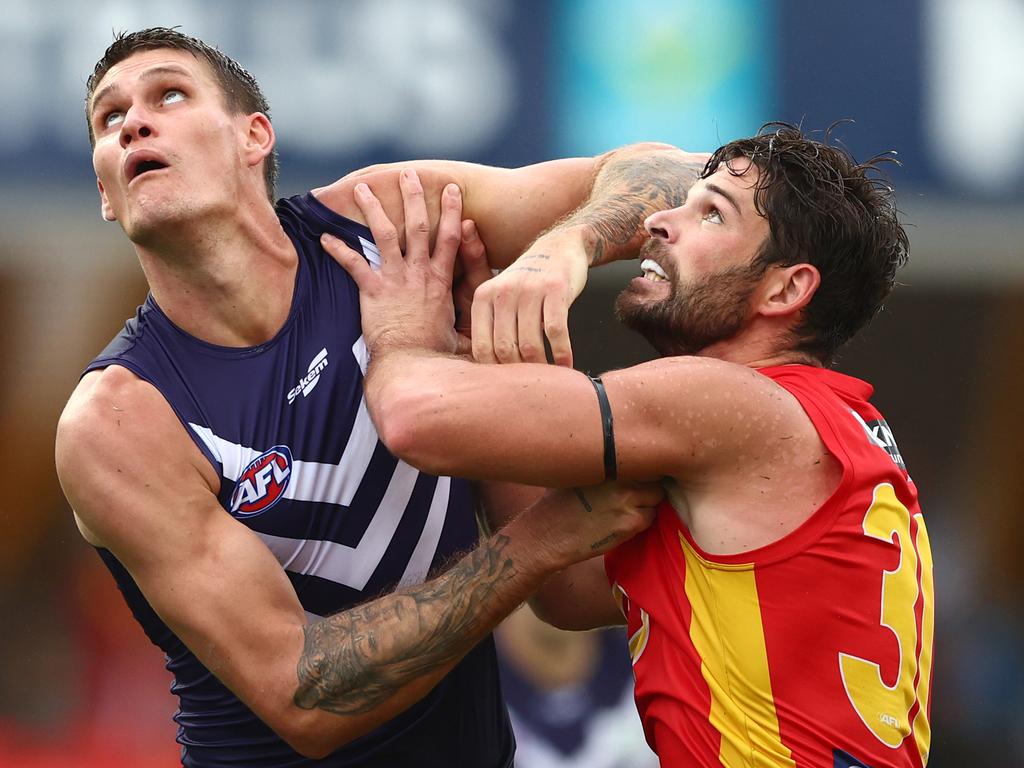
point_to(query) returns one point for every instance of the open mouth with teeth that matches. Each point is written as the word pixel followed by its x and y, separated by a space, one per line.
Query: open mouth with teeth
pixel 652 271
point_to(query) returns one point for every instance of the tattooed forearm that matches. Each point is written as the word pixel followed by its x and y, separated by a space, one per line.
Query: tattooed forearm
pixel 626 191
pixel 355 660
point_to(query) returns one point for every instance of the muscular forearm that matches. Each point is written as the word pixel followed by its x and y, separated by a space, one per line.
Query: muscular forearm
pixel 630 185
pixel 510 206
pixel 400 645
pixel 440 413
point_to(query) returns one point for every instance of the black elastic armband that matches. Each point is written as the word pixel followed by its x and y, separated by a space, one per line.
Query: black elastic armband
pixel 611 467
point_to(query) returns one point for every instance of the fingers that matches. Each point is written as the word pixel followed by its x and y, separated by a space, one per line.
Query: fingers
pixel 520 321
pixel 417 220
pixel 463 345
pixel 473 255
pixel 483 327
pixel 506 328
pixel 645 494
pixel 417 223
pixel 526 305
pixel 385 235
pixel 626 494
pixel 449 231
pixel 595 519
pixel 509 325
pixel 612 513
pixel 529 330
pixel 556 328
pixel 352 261
pixel 475 272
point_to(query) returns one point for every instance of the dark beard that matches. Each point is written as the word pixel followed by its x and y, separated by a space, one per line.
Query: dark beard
pixel 694 315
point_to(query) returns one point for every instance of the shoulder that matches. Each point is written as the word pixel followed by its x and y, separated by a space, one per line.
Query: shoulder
pixel 702 385
pixel 702 411
pixel 101 397
pixel 117 439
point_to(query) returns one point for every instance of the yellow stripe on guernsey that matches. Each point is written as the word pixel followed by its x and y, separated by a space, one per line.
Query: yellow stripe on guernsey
pixel 922 728
pixel 726 631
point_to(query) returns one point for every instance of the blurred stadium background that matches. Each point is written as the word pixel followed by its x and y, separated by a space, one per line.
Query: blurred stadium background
pixel 511 82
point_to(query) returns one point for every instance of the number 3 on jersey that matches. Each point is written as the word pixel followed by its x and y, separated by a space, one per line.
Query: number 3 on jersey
pixel 886 709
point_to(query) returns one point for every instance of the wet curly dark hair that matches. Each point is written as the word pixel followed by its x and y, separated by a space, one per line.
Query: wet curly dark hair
pixel 825 209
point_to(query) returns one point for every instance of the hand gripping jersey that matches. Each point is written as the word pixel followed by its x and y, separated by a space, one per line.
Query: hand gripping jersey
pixel 286 427
pixel 812 652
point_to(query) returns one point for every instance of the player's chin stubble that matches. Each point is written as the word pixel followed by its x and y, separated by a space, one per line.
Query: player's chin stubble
pixel 695 314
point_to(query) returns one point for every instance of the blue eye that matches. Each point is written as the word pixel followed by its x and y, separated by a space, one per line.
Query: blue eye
pixel 112 118
pixel 173 96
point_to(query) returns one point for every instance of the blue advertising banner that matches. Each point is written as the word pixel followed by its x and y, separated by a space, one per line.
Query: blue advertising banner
pixel 511 82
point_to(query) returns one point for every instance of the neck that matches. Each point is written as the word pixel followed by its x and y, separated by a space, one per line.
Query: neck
pixel 226 279
pixel 760 345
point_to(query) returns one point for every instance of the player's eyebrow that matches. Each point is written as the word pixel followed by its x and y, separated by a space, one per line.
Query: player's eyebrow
pixel 149 74
pixel 712 187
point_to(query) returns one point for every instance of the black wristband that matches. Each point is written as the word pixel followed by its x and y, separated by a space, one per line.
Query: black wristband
pixel 611 467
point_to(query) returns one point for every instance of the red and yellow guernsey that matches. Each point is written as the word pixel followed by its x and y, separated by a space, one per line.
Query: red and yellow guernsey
pixel 812 652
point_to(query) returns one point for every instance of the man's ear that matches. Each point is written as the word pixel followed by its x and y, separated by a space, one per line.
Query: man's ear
pixel 105 209
pixel 787 290
pixel 259 138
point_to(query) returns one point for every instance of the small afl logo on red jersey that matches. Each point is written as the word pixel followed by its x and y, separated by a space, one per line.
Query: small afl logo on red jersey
pixel 262 484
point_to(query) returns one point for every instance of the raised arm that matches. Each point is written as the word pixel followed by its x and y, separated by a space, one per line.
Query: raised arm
pixel 512 206
pixel 143 490
pixel 512 311
pixel 530 423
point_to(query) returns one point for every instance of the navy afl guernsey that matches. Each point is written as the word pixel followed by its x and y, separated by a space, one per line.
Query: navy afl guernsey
pixel 286 427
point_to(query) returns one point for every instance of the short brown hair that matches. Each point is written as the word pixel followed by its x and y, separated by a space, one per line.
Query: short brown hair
pixel 824 208
pixel 242 94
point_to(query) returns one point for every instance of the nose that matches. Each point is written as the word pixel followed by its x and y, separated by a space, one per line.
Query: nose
pixel 136 125
pixel 658 225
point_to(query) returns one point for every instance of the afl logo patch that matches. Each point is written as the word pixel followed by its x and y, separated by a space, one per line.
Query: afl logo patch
pixel 262 484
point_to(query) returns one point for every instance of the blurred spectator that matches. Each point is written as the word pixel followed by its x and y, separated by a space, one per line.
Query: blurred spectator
pixel 570 696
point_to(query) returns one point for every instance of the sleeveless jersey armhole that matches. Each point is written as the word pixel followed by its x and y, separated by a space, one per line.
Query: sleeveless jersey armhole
pixel 100 364
pixel 810 396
